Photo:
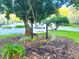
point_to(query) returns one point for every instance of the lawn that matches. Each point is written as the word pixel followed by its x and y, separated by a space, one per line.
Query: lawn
pixel 9 36
pixel 68 34
pixel 74 25
pixel 74 36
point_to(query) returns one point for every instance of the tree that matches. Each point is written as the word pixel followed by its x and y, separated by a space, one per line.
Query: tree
pixel 75 2
pixel 14 18
pixel 63 10
pixel 73 14
pixel 57 20
pixel 3 20
pixel 35 10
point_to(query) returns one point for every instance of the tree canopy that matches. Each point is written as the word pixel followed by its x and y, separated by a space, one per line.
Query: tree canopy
pixel 29 8
pixel 75 2
pixel 57 20
pixel 33 10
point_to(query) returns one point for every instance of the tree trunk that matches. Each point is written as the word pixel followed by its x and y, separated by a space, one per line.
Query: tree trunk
pixel 27 28
pixel 57 25
pixel 31 7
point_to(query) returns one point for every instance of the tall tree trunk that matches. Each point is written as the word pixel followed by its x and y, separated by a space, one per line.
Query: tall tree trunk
pixel 27 28
pixel 57 25
pixel 31 7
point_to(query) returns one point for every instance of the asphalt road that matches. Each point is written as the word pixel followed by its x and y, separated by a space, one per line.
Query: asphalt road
pixel 21 30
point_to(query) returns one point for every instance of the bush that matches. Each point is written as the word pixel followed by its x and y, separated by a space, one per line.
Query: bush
pixel 66 24
pixel 19 26
pixel 6 27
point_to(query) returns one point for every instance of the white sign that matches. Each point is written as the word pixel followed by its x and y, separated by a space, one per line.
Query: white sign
pixel 39 28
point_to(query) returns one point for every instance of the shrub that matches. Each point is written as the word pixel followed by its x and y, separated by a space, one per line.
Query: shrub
pixel 19 26
pixel 6 27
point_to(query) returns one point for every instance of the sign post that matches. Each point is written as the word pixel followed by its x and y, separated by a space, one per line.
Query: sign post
pixel 32 30
pixel 46 31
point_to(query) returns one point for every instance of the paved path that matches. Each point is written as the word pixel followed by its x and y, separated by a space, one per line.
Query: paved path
pixel 12 31
pixel 68 28
pixel 21 30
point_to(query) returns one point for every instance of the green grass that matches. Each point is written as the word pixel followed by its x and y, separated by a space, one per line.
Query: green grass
pixel 74 36
pixel 9 36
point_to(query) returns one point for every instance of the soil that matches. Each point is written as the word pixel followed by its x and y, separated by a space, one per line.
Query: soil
pixel 53 48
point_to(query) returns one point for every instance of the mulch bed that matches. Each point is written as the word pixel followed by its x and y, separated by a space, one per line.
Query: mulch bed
pixel 57 48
